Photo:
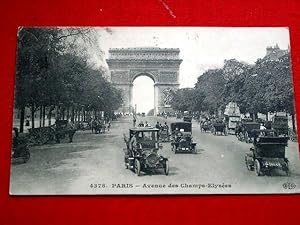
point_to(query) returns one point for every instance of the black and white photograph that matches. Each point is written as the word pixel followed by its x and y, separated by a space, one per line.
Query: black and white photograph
pixel 154 111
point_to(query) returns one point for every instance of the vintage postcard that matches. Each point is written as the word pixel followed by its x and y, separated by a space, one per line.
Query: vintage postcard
pixel 154 110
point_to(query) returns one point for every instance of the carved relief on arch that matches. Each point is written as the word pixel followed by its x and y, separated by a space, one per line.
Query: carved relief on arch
pixel 119 76
pixel 168 76
pixel 167 96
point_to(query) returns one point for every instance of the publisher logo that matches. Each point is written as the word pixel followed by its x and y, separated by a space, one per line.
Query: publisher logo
pixel 289 185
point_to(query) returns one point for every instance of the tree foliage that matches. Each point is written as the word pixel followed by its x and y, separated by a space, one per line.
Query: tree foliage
pixel 263 87
pixel 51 71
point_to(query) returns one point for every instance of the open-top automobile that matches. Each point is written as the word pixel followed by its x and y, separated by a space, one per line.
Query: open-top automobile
pixel 141 152
pixel 267 153
pixel 182 139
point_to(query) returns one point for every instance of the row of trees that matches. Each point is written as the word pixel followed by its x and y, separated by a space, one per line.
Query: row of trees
pixel 263 87
pixel 54 75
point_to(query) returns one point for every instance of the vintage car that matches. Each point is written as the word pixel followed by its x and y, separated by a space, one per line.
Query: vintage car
pixel 244 131
pixel 64 128
pixel 187 119
pixel 280 125
pixel 142 154
pixel 267 153
pixel 182 140
pixel 219 127
pixel 20 149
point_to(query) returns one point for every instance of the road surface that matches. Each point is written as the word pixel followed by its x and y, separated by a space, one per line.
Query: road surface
pixel 94 164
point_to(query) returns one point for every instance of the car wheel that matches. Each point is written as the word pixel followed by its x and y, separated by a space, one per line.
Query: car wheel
pixel 137 167
pixel 166 167
pixel 257 168
pixel 173 148
pixel 249 167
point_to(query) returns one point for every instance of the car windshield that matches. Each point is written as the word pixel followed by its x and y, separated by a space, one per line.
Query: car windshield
pixel 147 136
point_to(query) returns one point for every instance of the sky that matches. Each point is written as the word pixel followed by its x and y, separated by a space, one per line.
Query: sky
pixel 201 48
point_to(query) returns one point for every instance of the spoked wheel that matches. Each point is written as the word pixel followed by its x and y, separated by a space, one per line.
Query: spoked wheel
pixel 137 167
pixel 249 167
pixel 257 168
pixel 26 156
pixel 166 169
pixel 126 161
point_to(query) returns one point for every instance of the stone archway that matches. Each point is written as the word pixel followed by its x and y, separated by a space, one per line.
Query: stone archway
pixel 160 64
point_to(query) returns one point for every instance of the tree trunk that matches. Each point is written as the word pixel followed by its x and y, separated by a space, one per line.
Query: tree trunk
pixel 294 122
pixel 63 113
pixel 32 115
pixel 68 113
pixel 49 116
pixel 72 114
pixel 41 115
pixel 22 117
pixel 44 112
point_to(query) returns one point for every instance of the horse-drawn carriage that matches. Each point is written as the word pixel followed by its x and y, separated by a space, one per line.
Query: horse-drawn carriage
pixel 58 131
pixel 245 131
pixel 267 153
pixel 219 127
pixel 141 152
pixel 205 126
pixel 64 128
pixel 182 140
pixel 98 126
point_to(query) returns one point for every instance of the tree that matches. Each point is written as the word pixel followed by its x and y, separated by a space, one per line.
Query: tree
pixel 53 71
pixel 211 84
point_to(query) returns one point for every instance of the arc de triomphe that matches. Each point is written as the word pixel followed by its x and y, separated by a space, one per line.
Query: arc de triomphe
pixel 160 64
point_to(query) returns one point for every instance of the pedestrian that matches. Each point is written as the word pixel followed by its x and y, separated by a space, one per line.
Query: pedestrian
pixel 27 124
pixel 166 127
pixel 134 120
pixel 133 142
pixel 146 124
pixel 108 125
pixel 157 125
